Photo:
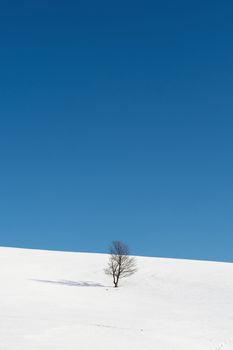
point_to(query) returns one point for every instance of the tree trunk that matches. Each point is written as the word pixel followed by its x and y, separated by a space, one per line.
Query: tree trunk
pixel 115 281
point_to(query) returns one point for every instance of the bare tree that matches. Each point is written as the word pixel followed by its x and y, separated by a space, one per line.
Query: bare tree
pixel 120 264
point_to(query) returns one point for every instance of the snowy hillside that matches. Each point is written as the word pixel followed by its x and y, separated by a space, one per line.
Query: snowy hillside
pixel 63 301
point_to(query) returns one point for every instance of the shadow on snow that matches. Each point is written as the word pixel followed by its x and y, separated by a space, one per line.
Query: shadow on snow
pixel 70 283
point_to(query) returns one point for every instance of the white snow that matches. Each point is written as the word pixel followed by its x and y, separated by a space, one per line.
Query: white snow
pixel 63 301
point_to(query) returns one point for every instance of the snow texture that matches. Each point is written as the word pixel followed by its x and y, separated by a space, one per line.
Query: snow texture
pixel 64 301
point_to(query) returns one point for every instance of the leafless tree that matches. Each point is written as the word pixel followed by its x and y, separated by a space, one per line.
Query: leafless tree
pixel 120 264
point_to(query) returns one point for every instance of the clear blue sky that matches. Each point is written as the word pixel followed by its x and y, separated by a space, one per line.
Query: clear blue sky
pixel 116 122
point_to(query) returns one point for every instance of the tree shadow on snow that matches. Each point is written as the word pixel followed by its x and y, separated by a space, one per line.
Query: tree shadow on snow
pixel 70 283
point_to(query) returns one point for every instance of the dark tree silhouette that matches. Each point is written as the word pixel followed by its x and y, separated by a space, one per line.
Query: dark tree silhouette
pixel 120 264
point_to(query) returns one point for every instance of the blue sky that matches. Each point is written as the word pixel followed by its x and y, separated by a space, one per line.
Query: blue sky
pixel 116 123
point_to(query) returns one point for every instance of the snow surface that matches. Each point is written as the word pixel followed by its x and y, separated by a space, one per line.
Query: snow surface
pixel 57 300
